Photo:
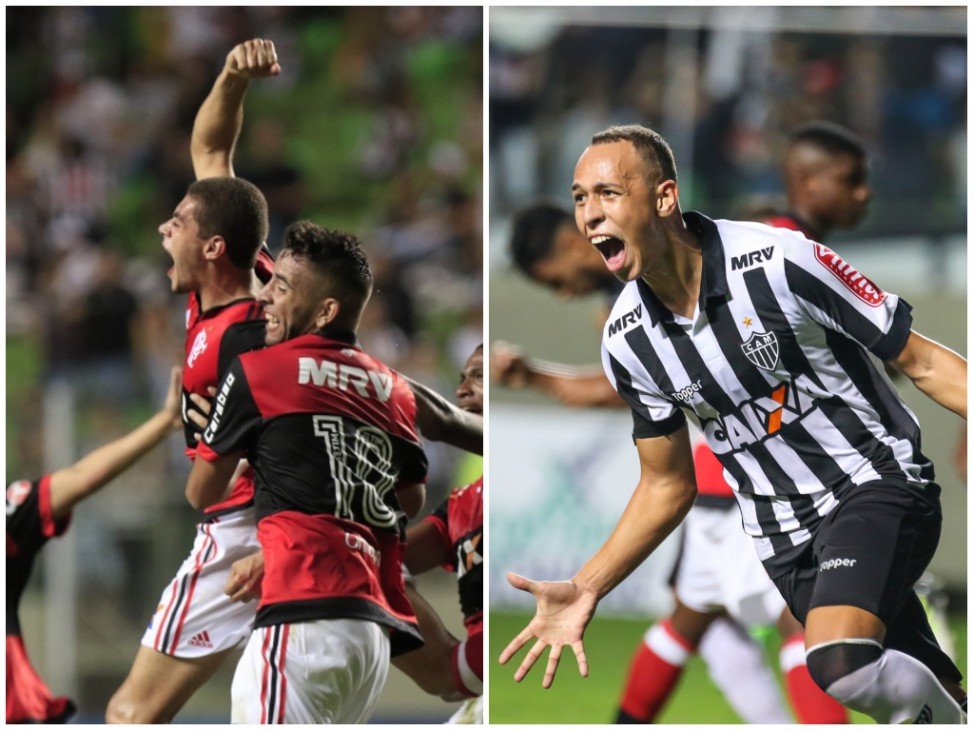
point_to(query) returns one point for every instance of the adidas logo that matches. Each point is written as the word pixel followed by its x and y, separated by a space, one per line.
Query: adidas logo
pixel 201 639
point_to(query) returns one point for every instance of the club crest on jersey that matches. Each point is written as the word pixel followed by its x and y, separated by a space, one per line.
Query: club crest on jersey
pixel 762 350
pixel 199 345
pixel 860 285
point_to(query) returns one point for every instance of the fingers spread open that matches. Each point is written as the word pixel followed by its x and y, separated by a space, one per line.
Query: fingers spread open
pixel 530 659
pixel 552 668
pixel 579 649
pixel 514 645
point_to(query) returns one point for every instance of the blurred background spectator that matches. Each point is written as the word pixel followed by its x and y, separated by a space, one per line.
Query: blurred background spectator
pixel 373 126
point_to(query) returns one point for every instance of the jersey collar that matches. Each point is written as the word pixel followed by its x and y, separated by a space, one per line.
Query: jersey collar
pixel 713 278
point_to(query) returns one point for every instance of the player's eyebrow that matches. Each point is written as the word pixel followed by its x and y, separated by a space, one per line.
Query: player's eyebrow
pixel 282 278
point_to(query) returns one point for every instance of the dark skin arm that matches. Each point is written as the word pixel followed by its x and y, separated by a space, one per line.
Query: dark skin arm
pixel 441 421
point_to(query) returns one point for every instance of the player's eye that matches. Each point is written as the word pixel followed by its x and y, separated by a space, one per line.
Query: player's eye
pixel 578 198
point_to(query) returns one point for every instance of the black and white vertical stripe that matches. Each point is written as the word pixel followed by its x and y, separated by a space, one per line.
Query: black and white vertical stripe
pixel 801 415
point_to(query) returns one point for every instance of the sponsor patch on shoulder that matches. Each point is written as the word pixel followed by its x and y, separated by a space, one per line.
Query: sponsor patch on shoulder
pixel 860 285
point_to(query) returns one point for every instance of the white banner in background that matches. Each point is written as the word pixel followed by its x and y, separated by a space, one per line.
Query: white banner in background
pixel 559 480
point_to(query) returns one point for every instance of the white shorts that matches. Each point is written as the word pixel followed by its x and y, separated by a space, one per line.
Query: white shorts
pixel 326 671
pixel 194 617
pixel 719 569
pixel 472 711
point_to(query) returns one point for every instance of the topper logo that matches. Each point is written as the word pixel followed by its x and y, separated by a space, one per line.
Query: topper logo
pixel 686 394
pixel 860 285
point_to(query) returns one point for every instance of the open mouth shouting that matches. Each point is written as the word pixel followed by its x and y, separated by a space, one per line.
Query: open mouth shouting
pixel 612 249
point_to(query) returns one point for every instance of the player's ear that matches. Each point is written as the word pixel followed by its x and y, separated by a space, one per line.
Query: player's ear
pixel 214 248
pixel 328 310
pixel 667 198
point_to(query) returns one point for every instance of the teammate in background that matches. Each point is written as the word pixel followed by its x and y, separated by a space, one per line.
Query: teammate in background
pixel 41 509
pixel 714 601
pixel 452 537
pixel 831 484
pixel 331 435
pixel 826 181
pixel 214 237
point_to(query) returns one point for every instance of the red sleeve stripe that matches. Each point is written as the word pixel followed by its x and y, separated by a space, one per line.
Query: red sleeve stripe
pixel 48 527
pixel 204 452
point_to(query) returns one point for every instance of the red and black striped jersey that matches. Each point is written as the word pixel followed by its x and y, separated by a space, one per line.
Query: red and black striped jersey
pixel 459 521
pixel 213 339
pixel 331 435
pixel 30 524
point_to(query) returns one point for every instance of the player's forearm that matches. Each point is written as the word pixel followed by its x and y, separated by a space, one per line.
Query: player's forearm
pixel 653 512
pixel 217 126
pixel 441 421
pixel 573 388
pixel 209 482
pixel 98 468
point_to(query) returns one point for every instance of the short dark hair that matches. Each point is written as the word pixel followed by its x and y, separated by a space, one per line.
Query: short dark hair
pixel 828 137
pixel 235 210
pixel 337 257
pixel 651 145
pixel 534 233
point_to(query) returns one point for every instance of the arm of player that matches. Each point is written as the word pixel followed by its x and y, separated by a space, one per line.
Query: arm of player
pixel 441 421
pixel 93 471
pixel 429 666
pixel 570 386
pixel 661 499
pixel 246 574
pixel 425 549
pixel 937 371
pixel 209 479
pixel 220 117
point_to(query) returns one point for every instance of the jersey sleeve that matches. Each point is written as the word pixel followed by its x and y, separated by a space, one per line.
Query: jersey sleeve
pixel 30 522
pixel 652 414
pixel 235 420
pixel 240 337
pixel 835 295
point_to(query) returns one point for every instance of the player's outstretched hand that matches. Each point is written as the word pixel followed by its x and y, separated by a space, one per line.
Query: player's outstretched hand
pixel 254 59
pixel 564 611
pixel 173 404
pixel 509 365
pixel 243 584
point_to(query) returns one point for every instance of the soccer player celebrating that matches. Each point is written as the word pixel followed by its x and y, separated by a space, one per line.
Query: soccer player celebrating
pixel 720 587
pixel 214 237
pixel 41 509
pixel 764 336
pixel 331 437
pixel 452 536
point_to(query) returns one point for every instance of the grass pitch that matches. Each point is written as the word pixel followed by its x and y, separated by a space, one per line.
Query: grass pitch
pixel 609 644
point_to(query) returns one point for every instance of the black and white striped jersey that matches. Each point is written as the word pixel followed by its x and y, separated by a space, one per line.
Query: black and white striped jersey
pixel 774 367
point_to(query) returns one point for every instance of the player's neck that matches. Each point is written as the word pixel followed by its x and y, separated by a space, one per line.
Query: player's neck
pixel 223 287
pixel 676 275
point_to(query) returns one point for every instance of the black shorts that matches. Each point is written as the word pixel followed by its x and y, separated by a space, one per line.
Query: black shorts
pixel 868 553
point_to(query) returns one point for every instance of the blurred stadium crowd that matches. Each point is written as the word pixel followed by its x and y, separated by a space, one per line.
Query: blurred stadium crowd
pixel 725 86
pixel 374 126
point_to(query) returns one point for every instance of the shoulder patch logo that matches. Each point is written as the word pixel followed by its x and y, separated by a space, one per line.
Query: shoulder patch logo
pixel 860 285
pixel 762 350
pixel 751 258
pixel 199 345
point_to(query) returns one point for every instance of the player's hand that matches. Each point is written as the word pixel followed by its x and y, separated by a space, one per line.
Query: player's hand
pixel 564 611
pixel 244 582
pixel 254 59
pixel 509 365
pixel 201 417
pixel 173 405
